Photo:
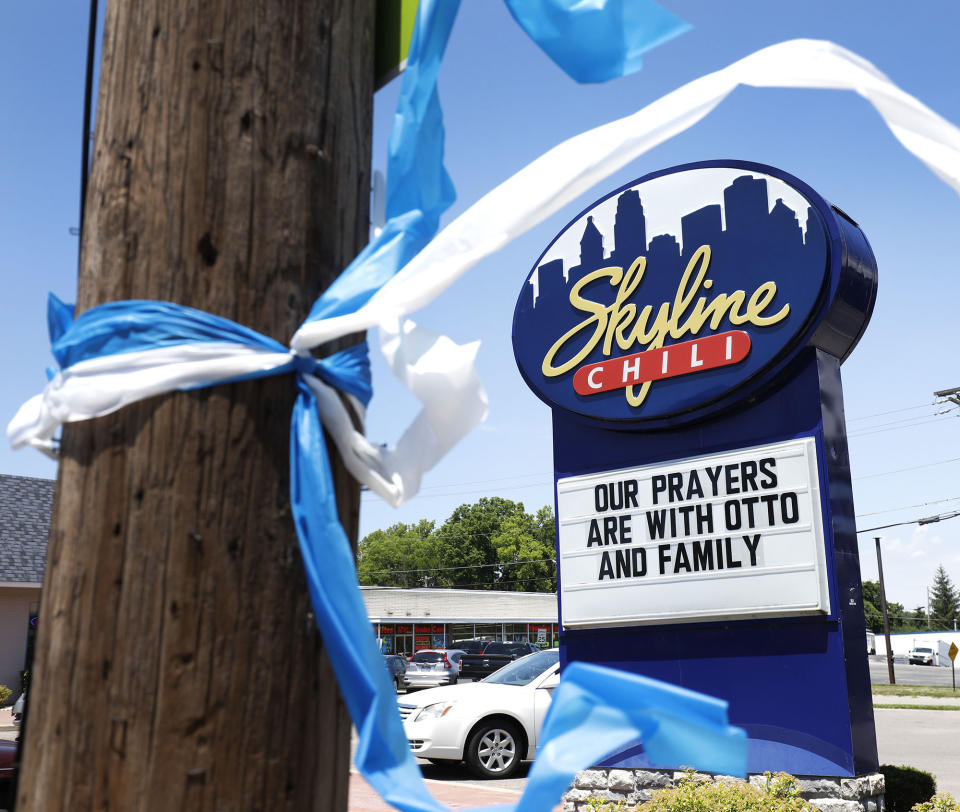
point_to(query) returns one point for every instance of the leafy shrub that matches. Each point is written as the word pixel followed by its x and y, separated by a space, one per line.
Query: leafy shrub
pixel 938 803
pixel 906 787
pixel 781 794
pixel 597 804
pixel 5 693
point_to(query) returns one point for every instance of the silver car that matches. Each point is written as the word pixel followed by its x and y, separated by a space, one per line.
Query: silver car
pixel 430 668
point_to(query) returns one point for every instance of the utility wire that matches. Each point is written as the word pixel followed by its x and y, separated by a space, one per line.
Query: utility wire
pixel 368 495
pixel 518 533
pixel 928 520
pixel 907 420
pixel 908 507
pixel 910 616
pixel 869 432
pixel 484 491
pixel 892 411
pixel 902 470
pixel 463 567
pixel 484 583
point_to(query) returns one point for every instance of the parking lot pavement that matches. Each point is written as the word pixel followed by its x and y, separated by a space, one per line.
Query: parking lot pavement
pixel 452 794
pixel 926 739
pixel 908 674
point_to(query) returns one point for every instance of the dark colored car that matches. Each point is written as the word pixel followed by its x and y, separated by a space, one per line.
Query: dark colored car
pixel 397 666
pixel 8 755
pixel 494 657
pixel 475 646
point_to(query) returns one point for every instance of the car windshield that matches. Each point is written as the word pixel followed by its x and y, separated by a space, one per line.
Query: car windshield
pixel 470 646
pixel 924 650
pixel 526 669
pixel 506 648
pixel 428 657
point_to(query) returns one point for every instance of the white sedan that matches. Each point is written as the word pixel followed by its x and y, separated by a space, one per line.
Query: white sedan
pixel 493 724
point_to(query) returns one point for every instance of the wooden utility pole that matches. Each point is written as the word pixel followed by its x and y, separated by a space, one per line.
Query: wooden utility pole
pixel 178 666
pixel 886 618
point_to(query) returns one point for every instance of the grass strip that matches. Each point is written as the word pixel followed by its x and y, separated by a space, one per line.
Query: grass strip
pixel 920 707
pixel 881 689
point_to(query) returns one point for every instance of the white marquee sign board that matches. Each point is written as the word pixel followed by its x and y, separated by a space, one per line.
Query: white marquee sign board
pixel 731 535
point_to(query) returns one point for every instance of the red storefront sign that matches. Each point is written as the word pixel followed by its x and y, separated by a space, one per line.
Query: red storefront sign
pixel 699 355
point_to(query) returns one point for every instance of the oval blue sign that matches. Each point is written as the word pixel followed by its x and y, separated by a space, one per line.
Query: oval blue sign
pixel 685 291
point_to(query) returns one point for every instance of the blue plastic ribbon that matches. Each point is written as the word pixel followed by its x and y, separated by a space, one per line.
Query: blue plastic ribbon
pixel 595 710
pixel 591 42
pixel 419 189
pixel 600 708
pixel 599 40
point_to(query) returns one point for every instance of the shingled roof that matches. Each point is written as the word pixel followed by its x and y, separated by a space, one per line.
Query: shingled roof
pixel 25 507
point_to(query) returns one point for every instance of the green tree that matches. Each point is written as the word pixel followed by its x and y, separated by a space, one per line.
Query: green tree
pixel 944 600
pixel 871 606
pixel 900 619
pixel 402 555
pixel 466 541
pixel 525 553
pixel 491 544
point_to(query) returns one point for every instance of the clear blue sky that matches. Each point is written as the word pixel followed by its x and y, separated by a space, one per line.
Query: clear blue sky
pixel 505 103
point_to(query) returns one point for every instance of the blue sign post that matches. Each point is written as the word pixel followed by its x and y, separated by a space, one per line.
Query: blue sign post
pixel 687 331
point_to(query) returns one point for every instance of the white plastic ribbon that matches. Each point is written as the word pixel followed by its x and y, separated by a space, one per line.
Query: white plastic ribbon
pixel 437 370
pixel 571 168
pixel 99 386
pixel 441 373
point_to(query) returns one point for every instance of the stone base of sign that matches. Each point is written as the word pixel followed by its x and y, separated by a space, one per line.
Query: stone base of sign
pixel 861 794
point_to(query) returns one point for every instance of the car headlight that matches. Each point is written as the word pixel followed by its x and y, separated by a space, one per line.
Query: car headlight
pixel 434 711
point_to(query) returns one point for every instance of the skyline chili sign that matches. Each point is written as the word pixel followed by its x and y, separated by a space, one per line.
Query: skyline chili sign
pixel 687 332
pixel 630 289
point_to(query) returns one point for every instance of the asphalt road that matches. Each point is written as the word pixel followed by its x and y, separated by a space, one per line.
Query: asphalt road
pixel 929 740
pixel 906 674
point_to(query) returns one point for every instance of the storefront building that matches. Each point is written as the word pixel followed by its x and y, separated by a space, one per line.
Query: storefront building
pixel 25 506
pixel 408 620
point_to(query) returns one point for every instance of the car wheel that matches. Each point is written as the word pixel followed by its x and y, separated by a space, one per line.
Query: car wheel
pixel 494 750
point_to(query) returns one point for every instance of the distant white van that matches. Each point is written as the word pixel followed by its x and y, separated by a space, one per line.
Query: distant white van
pixel 871 643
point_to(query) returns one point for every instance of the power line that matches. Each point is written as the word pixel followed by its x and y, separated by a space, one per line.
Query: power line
pixel 476 490
pixel 908 507
pixel 438 536
pixel 488 583
pixel 910 616
pixel 911 468
pixel 494 479
pixel 868 432
pixel 463 567
pixel 369 495
pixel 902 420
pixel 926 520
pixel 892 411
pixel 518 533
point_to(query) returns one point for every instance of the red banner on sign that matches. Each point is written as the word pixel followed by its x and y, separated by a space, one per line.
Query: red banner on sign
pixel 699 355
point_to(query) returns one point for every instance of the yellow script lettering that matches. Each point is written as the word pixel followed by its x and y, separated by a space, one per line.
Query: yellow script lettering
pixel 630 326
